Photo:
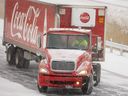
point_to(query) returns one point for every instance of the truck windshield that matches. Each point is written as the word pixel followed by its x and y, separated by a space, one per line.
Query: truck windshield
pixel 59 41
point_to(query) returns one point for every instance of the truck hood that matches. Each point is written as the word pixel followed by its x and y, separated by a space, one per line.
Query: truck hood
pixel 64 54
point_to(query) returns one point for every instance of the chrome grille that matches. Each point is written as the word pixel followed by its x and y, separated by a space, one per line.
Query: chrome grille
pixel 63 65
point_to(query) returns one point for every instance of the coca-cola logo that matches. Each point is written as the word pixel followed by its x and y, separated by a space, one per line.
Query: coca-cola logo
pixel 84 17
pixel 24 24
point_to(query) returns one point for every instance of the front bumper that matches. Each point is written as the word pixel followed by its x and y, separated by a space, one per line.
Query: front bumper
pixel 60 81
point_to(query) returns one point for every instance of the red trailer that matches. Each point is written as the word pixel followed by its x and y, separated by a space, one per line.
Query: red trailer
pixel 86 17
pixel 25 23
pixel 64 39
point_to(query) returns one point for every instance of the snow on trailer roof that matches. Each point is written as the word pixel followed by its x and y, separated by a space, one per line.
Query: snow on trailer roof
pixel 84 3
pixel 70 29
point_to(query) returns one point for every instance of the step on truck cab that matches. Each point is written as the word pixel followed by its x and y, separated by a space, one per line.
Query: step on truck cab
pixel 65 40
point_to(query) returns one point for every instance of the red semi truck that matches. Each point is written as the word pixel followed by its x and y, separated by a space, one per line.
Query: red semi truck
pixel 66 40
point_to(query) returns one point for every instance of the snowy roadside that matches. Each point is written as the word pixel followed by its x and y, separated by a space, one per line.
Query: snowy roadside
pixel 116 63
pixel 8 88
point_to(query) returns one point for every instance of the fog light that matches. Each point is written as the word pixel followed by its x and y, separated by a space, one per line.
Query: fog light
pixel 77 83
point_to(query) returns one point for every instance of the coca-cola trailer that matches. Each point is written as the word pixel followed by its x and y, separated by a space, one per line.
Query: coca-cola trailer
pixel 24 25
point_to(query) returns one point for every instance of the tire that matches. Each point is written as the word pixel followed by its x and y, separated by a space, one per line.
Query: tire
pixel 19 59
pixel 42 89
pixel 88 86
pixel 97 73
pixel 10 55
pixel 26 63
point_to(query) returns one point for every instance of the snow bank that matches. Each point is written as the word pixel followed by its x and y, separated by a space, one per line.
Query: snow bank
pixel 116 63
pixel 8 88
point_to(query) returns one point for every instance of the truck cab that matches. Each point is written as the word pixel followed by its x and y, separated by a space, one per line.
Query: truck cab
pixel 67 62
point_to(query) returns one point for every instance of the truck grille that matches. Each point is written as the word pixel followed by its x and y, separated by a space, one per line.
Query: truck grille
pixel 63 66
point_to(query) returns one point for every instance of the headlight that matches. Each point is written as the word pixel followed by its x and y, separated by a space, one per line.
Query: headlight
pixel 43 71
pixel 82 70
pixel 43 67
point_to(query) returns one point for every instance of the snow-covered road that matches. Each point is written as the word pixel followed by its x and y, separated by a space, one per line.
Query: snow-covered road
pixel 8 88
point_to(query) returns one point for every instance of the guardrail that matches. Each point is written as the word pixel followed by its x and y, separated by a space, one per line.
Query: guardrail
pixel 118 46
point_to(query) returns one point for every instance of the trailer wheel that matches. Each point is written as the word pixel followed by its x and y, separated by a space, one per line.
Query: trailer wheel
pixel 42 89
pixel 97 73
pixel 19 60
pixel 88 85
pixel 10 55
pixel 26 63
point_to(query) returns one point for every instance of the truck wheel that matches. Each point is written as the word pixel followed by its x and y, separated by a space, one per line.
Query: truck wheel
pixel 19 60
pixel 10 56
pixel 42 89
pixel 26 64
pixel 88 85
pixel 97 73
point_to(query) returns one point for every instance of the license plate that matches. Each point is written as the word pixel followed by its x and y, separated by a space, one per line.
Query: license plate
pixel 68 86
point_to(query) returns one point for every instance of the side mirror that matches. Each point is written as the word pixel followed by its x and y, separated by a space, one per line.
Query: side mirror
pixel 99 43
pixel 38 58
